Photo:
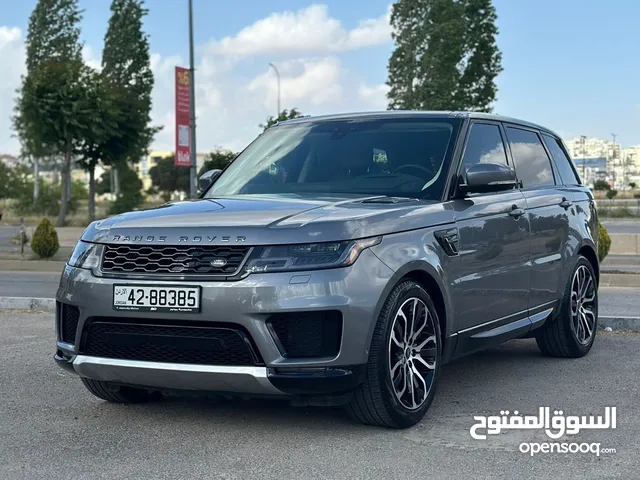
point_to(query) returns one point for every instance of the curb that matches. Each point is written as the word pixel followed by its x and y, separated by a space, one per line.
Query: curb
pixel 619 323
pixel 45 266
pixel 619 280
pixel 26 303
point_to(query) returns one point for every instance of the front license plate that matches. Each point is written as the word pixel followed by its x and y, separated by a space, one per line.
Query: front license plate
pixel 139 298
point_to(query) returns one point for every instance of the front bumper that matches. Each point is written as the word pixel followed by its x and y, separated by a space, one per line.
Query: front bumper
pixel 248 303
pixel 249 380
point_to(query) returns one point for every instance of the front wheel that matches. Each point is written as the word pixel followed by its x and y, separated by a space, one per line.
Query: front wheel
pixel 572 333
pixel 404 361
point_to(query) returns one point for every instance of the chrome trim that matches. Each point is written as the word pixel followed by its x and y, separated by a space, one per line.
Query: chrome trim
pixel 219 378
pixel 523 314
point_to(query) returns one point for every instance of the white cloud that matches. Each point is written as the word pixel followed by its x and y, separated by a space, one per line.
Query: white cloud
pixel 307 31
pixel 316 81
pixel 12 56
pixel 89 57
pixel 232 98
pixel 374 97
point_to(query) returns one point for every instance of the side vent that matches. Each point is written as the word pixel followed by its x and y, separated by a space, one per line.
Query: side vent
pixel 448 240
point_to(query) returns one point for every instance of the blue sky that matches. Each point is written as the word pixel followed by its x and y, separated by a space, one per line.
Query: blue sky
pixel 568 64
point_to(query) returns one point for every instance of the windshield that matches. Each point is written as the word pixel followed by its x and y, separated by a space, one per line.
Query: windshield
pixel 404 157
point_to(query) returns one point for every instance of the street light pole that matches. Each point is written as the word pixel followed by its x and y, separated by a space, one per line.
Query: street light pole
pixel 613 158
pixel 584 159
pixel 278 77
pixel 192 98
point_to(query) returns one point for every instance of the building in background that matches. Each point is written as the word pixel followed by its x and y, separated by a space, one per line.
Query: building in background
pixel 598 159
pixel 8 160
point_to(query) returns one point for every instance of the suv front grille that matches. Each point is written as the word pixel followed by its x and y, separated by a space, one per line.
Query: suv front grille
pixel 128 339
pixel 154 259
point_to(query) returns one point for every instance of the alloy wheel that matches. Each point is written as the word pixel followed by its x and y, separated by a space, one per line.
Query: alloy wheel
pixel 413 351
pixel 583 305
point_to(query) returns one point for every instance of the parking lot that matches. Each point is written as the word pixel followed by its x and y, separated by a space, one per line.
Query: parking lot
pixel 52 428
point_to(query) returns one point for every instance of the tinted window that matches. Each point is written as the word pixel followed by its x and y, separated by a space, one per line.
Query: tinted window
pixel 561 160
pixel 484 146
pixel 405 157
pixel 531 161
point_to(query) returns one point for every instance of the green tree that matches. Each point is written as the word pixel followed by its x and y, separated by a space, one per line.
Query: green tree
pixel 130 196
pixel 102 137
pixel 167 178
pixel 601 185
pixel 632 185
pixel 611 194
pixel 284 115
pixel 14 181
pixel 51 101
pixel 446 57
pixel 477 90
pixel 127 70
pixel 218 159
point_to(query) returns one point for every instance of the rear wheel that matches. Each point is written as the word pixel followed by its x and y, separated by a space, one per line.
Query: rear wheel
pixel 118 394
pixel 572 333
pixel 404 361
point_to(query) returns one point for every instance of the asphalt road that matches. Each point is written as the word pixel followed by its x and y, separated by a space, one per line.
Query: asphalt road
pixel 622 226
pixel 6 234
pixel 52 428
pixel 29 284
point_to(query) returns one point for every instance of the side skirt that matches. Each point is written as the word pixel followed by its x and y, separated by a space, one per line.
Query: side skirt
pixel 496 332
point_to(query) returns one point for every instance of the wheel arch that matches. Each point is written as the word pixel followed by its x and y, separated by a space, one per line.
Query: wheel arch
pixel 430 279
pixel 590 254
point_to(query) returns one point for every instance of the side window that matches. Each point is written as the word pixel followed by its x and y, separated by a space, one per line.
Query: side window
pixel 484 145
pixel 561 160
pixel 531 161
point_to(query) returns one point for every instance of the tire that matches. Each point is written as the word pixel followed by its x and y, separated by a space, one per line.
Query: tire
pixel 116 394
pixel 566 334
pixel 376 401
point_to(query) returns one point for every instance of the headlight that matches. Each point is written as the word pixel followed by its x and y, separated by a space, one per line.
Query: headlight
pixel 85 255
pixel 309 256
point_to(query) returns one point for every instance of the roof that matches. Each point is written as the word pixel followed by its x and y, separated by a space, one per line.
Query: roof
pixel 417 114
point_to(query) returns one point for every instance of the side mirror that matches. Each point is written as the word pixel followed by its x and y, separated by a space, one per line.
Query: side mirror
pixel 207 178
pixel 489 177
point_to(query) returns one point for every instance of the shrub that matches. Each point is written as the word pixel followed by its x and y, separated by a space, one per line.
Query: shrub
pixel 604 242
pixel 45 240
pixel 601 185
pixel 15 240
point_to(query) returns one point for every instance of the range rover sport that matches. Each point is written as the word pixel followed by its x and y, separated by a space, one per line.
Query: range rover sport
pixel 340 260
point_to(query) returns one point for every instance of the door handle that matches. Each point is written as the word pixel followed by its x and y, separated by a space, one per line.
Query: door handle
pixel 565 203
pixel 516 212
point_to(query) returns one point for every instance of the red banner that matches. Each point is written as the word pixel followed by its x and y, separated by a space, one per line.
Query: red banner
pixel 183 114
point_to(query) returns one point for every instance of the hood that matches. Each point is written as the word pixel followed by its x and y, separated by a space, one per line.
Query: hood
pixel 269 220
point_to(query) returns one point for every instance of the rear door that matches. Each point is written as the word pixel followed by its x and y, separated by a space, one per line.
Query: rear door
pixel 491 285
pixel 548 203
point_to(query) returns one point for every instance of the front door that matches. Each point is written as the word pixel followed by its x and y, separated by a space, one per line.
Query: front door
pixel 492 276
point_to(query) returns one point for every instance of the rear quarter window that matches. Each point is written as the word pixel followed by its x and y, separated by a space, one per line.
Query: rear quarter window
pixel 563 162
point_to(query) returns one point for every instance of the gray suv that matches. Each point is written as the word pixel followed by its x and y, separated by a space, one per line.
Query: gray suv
pixel 340 260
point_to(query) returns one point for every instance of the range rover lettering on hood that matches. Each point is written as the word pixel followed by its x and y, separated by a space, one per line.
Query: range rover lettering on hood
pixel 182 238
